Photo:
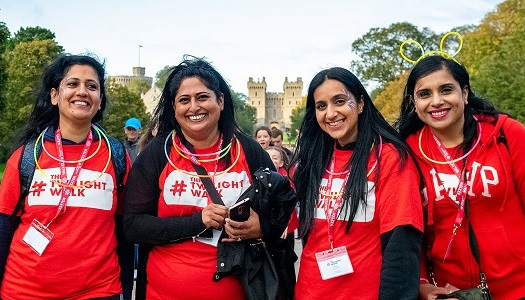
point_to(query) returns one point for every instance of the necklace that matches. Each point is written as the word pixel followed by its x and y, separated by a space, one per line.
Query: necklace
pixel 69 161
pixel 219 154
pixel 448 161
pixel 100 133
pixel 197 175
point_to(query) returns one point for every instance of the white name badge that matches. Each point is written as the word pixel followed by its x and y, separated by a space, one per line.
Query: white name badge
pixel 214 241
pixel 38 237
pixel 334 263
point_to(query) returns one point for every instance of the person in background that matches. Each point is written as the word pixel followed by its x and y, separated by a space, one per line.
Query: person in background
pixel 360 209
pixel 149 134
pixel 132 128
pixel 280 160
pixel 263 136
pixel 168 208
pixel 64 238
pixel 461 140
pixel 277 140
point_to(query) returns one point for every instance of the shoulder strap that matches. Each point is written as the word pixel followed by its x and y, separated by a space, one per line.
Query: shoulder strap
pixel 208 184
pixel 503 139
pixel 26 171
pixel 118 158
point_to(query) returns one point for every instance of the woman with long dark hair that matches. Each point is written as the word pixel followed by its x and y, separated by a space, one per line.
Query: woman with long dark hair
pixel 66 230
pixel 470 156
pixel 358 190
pixel 190 248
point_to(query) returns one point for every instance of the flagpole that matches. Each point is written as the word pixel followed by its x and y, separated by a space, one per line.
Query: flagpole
pixel 140 46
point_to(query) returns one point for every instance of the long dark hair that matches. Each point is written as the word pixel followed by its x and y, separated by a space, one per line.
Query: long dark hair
pixel 46 114
pixel 408 121
pixel 195 67
pixel 315 149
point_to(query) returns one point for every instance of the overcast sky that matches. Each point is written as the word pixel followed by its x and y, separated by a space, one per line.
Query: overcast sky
pixel 272 39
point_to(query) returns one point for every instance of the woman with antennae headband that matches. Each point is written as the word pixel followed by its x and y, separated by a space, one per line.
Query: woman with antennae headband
pixel 360 207
pixel 470 156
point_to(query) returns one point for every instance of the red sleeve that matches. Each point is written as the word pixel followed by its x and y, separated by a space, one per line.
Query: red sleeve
pixel 10 186
pixel 515 134
pixel 398 192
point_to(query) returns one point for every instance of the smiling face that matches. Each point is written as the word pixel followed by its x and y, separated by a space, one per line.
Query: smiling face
pixel 197 110
pixel 78 96
pixel 337 111
pixel 440 103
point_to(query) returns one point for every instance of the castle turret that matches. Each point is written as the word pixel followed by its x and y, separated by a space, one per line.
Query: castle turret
pixel 257 99
pixel 292 98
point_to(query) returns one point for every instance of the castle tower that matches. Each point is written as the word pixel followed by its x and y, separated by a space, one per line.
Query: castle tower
pixel 292 98
pixel 139 71
pixel 257 99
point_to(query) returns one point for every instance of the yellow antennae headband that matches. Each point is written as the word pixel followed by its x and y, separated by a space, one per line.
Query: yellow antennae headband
pixel 441 50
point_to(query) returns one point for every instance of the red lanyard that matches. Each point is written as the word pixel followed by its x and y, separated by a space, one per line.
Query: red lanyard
pixel 461 192
pixel 67 184
pixel 331 214
pixel 193 158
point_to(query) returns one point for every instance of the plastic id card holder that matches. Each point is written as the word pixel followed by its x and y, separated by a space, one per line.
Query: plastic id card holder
pixel 213 241
pixel 334 263
pixel 38 237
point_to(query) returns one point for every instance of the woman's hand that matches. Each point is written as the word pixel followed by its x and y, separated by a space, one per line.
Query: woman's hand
pixel 214 216
pixel 429 291
pixel 249 229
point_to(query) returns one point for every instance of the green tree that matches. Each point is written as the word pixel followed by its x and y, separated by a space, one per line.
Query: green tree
pixel 497 64
pixel 25 65
pixel 29 34
pixel 122 104
pixel 139 87
pixel 4 38
pixel 389 99
pixel 378 50
pixel 487 38
pixel 244 113
pixel 297 118
pixel 162 76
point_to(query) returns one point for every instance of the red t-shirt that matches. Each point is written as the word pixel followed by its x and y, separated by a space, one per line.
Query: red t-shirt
pixel 80 261
pixel 392 201
pixel 186 268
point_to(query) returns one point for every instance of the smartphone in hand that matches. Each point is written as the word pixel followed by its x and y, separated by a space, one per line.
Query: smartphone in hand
pixel 240 211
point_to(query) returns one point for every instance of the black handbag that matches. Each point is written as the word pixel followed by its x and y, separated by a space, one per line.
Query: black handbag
pixel 270 264
pixel 478 293
pixel 481 292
